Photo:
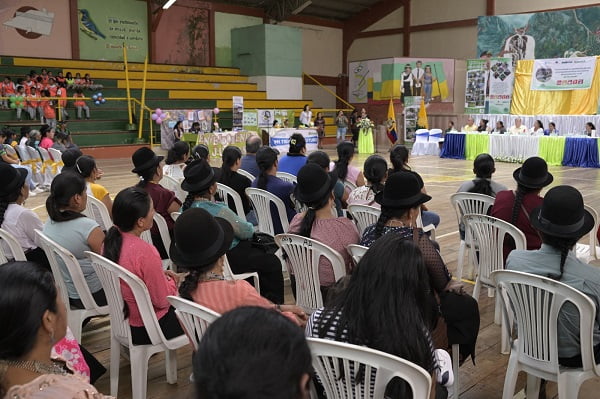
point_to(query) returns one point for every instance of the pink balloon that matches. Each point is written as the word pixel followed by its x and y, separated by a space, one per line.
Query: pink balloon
pixel 158 111
pixel 216 111
pixel 154 116
pixel 159 121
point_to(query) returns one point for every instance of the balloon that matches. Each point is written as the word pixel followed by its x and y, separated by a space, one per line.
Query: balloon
pixel 12 99
pixel 181 118
pixel 159 121
pixel 13 105
pixel 154 116
pixel 103 100
pixel 216 111
pixel 95 97
pixel 158 111
pixel 97 102
pixel 99 94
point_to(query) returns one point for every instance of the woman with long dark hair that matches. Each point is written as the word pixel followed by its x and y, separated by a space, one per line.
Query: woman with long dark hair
pixel 34 319
pixel 315 190
pixel 266 159
pixel 150 169
pixel 201 184
pixel 483 168
pixel 354 129
pixel 386 305
pixel 69 228
pixel 340 194
pixel 86 166
pixel 175 161
pixel 562 220
pixel 203 257
pixel 375 171
pixel 15 218
pixel 400 203
pixel 343 168
pixel 232 160
pixel 515 206
pixel 295 157
pixel 133 214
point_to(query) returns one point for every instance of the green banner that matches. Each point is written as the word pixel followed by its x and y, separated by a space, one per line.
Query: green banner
pixel 477 86
pixel 104 26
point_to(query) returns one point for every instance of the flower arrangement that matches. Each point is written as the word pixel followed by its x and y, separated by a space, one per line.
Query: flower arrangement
pixel 365 123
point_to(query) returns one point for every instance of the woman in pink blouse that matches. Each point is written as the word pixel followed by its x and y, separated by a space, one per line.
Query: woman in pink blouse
pixel 133 214
pixel 203 255
pixel 319 222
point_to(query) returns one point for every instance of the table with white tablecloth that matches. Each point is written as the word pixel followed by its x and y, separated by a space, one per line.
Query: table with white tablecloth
pixel 510 148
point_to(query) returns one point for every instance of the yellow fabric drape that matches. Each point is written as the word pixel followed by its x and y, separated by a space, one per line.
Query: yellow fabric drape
pixel 563 102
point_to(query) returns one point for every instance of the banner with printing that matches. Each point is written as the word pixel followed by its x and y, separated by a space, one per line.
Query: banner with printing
pixel 563 73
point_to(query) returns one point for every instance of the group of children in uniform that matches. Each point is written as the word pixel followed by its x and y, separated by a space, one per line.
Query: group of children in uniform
pixel 35 90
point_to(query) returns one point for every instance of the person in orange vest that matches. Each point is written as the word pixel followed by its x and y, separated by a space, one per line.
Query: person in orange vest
pixel 62 93
pixel 7 89
pixel 33 104
pixel 48 107
pixel 52 87
pixel 80 104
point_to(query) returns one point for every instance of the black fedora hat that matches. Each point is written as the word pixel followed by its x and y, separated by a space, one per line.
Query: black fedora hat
pixel 11 179
pixel 192 250
pixel 198 176
pixel 401 190
pixel 313 183
pixel 144 158
pixel 533 174
pixel 562 214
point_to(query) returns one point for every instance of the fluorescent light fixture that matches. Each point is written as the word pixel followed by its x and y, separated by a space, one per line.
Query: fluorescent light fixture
pixel 302 7
pixel 169 4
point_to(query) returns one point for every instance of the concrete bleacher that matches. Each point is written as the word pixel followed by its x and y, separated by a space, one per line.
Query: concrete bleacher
pixel 168 87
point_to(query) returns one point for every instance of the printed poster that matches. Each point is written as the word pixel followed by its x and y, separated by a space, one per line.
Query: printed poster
pixel 477 86
pixel 250 120
pixel 500 84
pixel 411 116
pixel 238 113
pixel 563 73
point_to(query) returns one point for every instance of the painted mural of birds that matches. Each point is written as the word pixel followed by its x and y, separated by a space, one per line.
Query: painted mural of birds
pixel 87 26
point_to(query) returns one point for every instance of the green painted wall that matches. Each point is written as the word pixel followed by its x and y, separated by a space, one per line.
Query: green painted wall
pixel 224 23
pixel 267 50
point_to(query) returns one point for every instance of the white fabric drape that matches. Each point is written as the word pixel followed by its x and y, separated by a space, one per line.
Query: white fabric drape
pixel 565 124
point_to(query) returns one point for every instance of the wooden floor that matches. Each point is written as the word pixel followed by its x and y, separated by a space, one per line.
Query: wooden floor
pixel 442 178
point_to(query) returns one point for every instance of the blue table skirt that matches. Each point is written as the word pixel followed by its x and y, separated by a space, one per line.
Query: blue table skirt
pixel 454 146
pixel 581 152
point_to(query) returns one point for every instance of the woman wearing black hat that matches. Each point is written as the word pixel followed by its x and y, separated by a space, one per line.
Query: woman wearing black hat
pixel 201 184
pixel 515 206
pixel 15 218
pixel 149 167
pixel 203 257
pixel 400 203
pixel 132 214
pixel 319 222
pixel 562 220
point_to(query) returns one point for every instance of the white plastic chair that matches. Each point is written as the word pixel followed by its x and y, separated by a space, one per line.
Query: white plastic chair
pixel 49 165
pixel 364 216
pixel 57 158
pixel 165 237
pixel 463 204
pixel 175 215
pixel 261 202
pixel 288 177
pixel 430 228
pixel 194 318
pixel 112 276
pixel 246 174
pixel 336 365
pixel 489 233
pixel 356 252
pixel 65 267
pixel 588 253
pixel 10 249
pixel 225 192
pixel 535 302
pixel 36 159
pixel 36 173
pixel 174 185
pixel 435 138
pixel 303 256
pixel 349 186
pixel 229 275
pixel 421 142
pixel 96 210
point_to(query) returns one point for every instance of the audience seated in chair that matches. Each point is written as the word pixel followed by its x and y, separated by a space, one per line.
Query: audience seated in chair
pixel 342 168
pixel 562 221
pixel 296 156
pixel 339 192
pixel 315 190
pixel 133 214
pixel 375 170
pixel 400 203
pixel 266 158
pixel 260 354
pixel 85 165
pixel 232 160
pixel 202 256
pixel 69 228
pixel 253 144
pixel 175 161
pixel 201 183
pixel 34 319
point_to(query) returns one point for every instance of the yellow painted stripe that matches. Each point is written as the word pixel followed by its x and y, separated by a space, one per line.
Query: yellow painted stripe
pixel 267 104
pixel 181 77
pixel 215 95
pixel 170 85
pixel 118 66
